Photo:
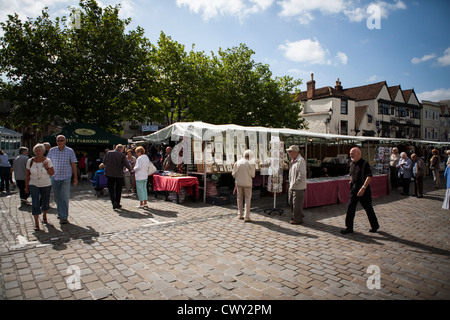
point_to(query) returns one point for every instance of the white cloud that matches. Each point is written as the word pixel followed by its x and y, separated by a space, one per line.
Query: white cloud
pixel 436 95
pixel 308 51
pixel 57 8
pixel 445 59
pixel 304 10
pixel 374 78
pixel 424 58
pixel 341 58
pixel 213 8
pixel 356 15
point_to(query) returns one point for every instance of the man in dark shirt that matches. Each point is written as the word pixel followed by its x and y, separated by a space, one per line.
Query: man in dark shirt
pixel 114 162
pixel 360 176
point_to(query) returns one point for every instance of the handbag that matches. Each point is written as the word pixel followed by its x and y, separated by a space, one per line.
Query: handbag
pixel 151 169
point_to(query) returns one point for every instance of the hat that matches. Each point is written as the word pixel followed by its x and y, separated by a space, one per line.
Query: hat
pixel 293 148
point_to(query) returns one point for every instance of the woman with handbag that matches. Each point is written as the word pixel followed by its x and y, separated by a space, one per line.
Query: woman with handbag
pixel 38 183
pixel 143 168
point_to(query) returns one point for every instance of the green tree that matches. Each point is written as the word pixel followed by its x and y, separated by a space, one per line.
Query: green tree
pixel 96 73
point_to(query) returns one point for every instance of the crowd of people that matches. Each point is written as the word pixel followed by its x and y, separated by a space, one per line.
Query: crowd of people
pixel 55 168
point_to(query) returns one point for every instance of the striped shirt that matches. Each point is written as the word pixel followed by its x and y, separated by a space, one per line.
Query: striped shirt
pixel 62 162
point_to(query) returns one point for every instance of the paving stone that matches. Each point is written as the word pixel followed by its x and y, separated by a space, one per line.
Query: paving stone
pixel 205 252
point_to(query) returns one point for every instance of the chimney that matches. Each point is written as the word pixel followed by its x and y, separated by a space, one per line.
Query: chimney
pixel 338 86
pixel 310 87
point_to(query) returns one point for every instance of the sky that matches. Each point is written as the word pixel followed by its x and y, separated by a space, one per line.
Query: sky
pixel 402 42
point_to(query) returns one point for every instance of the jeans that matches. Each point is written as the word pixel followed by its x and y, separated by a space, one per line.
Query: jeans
pixel 37 194
pixel 61 191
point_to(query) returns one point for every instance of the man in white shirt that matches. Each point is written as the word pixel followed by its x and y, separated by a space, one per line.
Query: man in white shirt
pixel 297 184
pixel 243 173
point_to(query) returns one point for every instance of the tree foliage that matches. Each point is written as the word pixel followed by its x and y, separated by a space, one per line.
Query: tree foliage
pixel 99 73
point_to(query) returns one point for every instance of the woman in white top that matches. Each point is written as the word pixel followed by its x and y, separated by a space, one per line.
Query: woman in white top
pixel 38 183
pixel 141 175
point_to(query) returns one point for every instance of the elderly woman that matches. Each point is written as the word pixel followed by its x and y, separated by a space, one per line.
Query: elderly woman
pixel 141 171
pixel 434 166
pixel 38 183
pixel 405 172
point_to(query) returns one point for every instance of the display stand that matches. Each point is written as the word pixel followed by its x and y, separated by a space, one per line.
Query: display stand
pixel 274 209
pixel 275 182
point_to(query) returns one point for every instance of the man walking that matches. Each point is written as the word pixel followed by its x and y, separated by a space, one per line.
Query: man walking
pixel 114 162
pixel 418 171
pixel 297 184
pixel 360 176
pixel 243 173
pixel 65 166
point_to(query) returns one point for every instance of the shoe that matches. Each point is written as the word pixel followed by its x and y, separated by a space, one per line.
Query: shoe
pixel 247 220
pixel 294 222
pixel 419 196
pixel 374 230
pixel 64 221
pixel 240 217
pixel 345 231
pixel 116 205
pixel 140 207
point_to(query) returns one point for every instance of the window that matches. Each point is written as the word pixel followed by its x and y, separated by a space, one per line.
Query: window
pixel 392 111
pixel 384 109
pixel 344 107
pixel 344 127
pixel 369 118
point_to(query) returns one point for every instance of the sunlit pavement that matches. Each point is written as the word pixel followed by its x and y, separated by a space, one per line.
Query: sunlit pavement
pixel 199 251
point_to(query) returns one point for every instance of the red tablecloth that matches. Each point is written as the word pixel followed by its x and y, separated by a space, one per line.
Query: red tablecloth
pixel 336 191
pixel 379 186
pixel 321 194
pixel 166 183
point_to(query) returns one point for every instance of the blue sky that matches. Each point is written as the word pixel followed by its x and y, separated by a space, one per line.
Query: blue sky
pixel 409 46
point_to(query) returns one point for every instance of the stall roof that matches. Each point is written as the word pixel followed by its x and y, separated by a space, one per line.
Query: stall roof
pixel 197 130
pixel 8 132
pixel 86 134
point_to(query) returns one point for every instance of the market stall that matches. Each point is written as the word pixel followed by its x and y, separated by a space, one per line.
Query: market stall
pixel 208 150
pixel 167 183
pixel 10 142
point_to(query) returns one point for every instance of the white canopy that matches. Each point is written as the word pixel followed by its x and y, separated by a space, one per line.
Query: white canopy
pixel 197 130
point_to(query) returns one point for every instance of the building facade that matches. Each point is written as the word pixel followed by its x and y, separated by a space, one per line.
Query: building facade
pixel 369 110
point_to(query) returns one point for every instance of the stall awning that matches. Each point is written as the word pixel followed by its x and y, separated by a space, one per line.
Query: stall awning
pixel 197 130
pixel 86 134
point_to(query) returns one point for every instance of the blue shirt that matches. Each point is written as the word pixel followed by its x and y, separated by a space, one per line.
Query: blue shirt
pixel 4 162
pixel 62 162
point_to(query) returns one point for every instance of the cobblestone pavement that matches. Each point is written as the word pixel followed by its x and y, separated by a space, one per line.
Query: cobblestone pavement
pixel 199 251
